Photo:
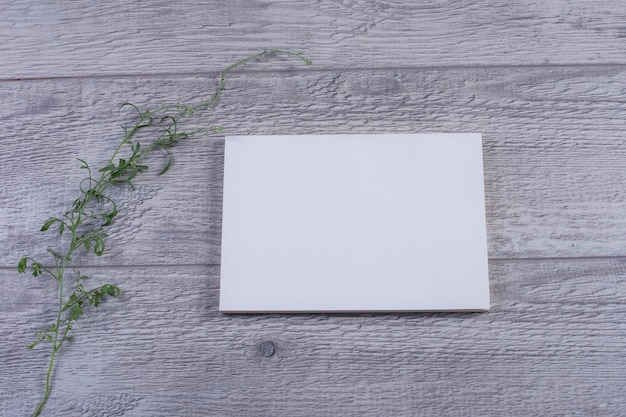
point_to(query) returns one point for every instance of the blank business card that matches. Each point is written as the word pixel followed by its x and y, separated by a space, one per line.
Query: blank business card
pixel 354 223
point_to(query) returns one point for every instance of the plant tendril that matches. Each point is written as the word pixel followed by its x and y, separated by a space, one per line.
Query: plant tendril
pixel 84 226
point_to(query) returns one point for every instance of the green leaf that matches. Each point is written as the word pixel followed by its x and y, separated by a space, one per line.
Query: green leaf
pixel 21 266
pixel 49 223
pixel 80 277
pixel 85 165
pixel 75 312
pixel 110 290
pixel 98 249
pixel 169 162
pixel 108 218
pixel 107 168
pixel 61 228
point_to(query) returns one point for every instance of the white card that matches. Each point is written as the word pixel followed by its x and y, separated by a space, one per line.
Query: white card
pixel 358 223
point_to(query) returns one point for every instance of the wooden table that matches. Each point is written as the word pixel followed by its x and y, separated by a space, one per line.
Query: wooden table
pixel 544 82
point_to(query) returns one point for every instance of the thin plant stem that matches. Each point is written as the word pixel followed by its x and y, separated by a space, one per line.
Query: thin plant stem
pixel 93 212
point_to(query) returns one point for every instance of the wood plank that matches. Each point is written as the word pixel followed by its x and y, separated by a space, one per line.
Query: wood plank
pixel 69 39
pixel 555 159
pixel 552 343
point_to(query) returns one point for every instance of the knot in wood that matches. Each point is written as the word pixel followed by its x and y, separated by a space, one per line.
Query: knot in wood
pixel 267 349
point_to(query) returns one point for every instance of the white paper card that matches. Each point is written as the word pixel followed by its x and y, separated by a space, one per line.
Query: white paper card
pixel 334 223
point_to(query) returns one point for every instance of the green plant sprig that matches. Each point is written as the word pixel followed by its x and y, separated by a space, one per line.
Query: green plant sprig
pixel 84 226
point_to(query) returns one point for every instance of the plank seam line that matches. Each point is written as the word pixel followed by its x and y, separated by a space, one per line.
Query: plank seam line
pixel 561 259
pixel 121 267
pixel 608 65
pixel 213 265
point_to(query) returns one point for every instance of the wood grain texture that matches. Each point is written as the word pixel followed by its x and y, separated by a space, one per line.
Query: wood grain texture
pixel 66 38
pixel 543 81
pixel 554 343
pixel 555 161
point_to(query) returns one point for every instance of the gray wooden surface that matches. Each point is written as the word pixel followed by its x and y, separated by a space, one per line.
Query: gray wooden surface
pixel 544 81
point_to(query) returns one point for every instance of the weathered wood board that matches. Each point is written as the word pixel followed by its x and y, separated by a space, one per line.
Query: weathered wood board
pixel 543 82
pixel 552 344
pixel 542 129
pixel 69 39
